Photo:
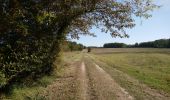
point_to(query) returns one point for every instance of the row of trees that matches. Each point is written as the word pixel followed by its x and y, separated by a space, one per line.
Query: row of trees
pixel 32 31
pixel 114 45
pixel 162 43
pixel 73 46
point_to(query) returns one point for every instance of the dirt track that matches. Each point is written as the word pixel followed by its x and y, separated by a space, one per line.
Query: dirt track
pixel 85 80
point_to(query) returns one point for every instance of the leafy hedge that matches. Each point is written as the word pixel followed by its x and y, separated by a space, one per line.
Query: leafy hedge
pixel 21 56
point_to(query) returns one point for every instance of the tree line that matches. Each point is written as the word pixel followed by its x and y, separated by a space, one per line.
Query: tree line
pixel 161 43
pixel 73 46
pixel 114 45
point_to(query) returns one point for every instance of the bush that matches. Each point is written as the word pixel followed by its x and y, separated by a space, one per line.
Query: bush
pixel 22 56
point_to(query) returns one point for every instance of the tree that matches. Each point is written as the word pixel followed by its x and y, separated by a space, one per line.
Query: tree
pixel 76 15
pixel 136 45
pixel 58 18
pixel 32 31
pixel 169 43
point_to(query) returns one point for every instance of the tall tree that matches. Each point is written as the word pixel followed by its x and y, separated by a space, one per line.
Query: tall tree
pixel 31 31
pixel 71 17
pixel 58 18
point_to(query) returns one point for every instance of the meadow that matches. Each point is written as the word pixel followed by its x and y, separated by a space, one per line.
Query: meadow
pixel 149 66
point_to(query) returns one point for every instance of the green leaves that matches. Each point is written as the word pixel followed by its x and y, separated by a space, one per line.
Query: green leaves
pixel 32 31
pixel 2 79
pixel 24 56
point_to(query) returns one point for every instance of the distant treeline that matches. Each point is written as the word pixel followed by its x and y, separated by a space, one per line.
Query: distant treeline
pixel 73 46
pixel 115 45
pixel 162 43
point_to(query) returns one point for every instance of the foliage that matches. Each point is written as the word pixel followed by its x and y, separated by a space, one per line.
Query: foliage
pixel 32 31
pixel 162 43
pixel 73 46
pixel 114 45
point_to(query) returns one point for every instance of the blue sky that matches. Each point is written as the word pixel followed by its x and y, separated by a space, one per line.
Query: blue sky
pixel 157 27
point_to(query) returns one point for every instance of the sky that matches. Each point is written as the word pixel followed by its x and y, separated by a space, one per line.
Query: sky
pixel 156 27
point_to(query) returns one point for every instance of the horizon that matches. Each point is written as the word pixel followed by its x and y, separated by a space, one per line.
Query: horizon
pixel 125 43
pixel 155 28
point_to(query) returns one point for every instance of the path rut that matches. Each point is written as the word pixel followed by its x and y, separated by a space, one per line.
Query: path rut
pixel 121 93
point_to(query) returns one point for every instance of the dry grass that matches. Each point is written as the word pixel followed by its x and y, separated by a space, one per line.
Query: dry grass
pixel 146 66
pixel 129 50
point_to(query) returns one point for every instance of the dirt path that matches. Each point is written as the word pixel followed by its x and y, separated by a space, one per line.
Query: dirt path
pixel 83 82
pixel 101 86
pixel 86 80
pixel 72 85
pixel 121 93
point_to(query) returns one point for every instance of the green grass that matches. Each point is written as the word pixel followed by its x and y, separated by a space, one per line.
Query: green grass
pixel 30 90
pixel 69 57
pixel 151 68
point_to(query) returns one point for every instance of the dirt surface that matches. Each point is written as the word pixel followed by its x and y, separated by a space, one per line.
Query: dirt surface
pixel 85 80
pixel 64 88
pixel 121 93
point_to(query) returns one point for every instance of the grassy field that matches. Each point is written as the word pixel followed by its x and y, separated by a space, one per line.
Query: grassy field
pixel 149 66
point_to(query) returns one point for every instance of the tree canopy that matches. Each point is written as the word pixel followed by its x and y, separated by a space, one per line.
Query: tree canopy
pixel 32 31
pixel 75 17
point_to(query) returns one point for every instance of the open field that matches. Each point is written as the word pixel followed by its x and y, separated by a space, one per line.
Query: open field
pixel 133 67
